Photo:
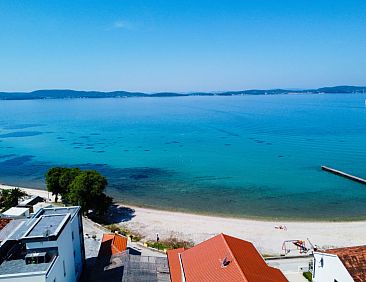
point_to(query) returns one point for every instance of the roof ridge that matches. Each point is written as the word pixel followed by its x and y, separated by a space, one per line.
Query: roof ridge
pixel 232 254
pixel 114 238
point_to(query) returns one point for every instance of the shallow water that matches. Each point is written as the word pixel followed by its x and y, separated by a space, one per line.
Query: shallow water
pixel 257 156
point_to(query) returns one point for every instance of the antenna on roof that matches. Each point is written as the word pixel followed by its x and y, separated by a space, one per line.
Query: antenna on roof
pixel 46 233
pixel 225 262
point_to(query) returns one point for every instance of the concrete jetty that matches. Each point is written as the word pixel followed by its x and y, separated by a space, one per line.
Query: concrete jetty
pixel 343 174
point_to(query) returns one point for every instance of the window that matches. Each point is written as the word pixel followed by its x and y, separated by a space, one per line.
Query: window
pixel 74 253
pixel 54 280
pixel 322 262
pixel 63 263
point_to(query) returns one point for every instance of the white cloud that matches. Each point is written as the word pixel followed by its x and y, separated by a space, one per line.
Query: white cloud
pixel 121 25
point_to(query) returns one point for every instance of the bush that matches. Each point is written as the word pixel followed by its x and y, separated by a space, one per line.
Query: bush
pixel 135 236
pixel 170 243
pixel 308 275
pixel 113 228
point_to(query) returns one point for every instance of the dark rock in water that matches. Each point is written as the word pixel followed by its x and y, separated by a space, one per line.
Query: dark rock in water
pixel 139 176
pixel 280 156
pixel 22 126
pixel 227 144
pixel 147 150
pixel 89 148
pixel 7 156
pixel 17 161
pixel 20 134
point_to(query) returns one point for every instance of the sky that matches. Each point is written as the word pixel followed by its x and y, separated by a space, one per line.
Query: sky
pixel 182 46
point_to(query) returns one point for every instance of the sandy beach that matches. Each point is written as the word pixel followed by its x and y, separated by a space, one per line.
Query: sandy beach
pixel 268 239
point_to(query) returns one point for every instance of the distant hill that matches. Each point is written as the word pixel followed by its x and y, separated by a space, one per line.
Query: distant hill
pixel 70 94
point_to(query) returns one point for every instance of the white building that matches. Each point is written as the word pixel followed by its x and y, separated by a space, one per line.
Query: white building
pixel 47 247
pixel 16 212
pixel 340 265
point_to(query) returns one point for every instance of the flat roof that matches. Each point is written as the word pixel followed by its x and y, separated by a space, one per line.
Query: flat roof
pixel 18 266
pixel 23 230
pixel 15 211
pixel 59 210
pixel 47 225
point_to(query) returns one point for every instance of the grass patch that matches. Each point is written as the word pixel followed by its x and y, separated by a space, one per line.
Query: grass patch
pixel 135 236
pixel 308 275
pixel 170 243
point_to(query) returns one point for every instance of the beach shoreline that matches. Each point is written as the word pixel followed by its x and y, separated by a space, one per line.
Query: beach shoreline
pixel 265 234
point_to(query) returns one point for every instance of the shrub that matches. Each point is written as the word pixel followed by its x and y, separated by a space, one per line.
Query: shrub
pixel 135 236
pixel 170 243
pixel 308 275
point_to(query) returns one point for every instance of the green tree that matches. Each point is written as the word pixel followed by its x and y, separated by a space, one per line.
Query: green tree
pixel 53 176
pixel 10 198
pixel 102 204
pixel 58 180
pixel 87 191
pixel 67 177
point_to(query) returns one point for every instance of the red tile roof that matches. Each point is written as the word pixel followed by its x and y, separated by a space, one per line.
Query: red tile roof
pixel 354 259
pixel 174 264
pixel 224 258
pixel 4 222
pixel 112 244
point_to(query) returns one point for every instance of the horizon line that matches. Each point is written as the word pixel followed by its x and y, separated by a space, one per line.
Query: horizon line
pixel 184 92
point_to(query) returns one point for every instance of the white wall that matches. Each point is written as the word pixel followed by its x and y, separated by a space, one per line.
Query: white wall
pixel 23 278
pixel 78 259
pixel 66 254
pixel 41 244
pixel 56 272
pixel 328 268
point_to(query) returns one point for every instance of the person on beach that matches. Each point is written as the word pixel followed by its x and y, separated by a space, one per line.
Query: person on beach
pixel 281 227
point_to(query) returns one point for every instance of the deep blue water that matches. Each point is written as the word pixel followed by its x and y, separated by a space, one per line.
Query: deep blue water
pixel 254 156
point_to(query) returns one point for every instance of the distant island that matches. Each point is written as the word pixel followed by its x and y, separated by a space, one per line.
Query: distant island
pixel 69 94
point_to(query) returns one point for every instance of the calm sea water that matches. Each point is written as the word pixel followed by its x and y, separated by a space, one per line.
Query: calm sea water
pixel 257 156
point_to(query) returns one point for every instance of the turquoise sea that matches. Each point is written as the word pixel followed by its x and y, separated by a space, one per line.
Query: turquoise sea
pixel 246 156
